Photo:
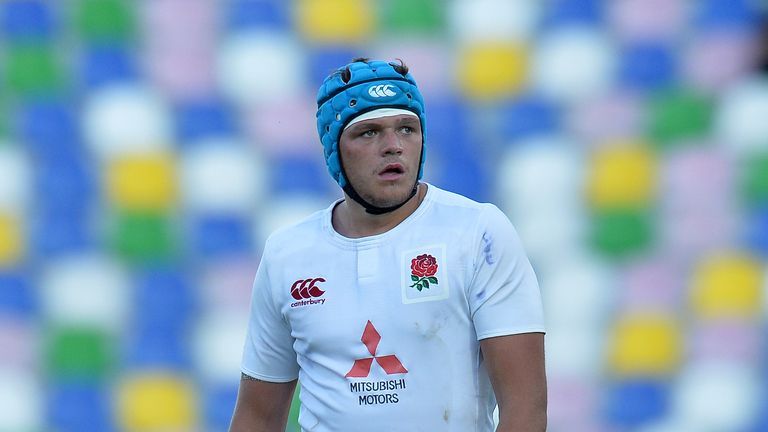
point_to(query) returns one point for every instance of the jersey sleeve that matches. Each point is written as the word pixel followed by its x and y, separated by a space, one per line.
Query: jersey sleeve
pixel 268 353
pixel 504 296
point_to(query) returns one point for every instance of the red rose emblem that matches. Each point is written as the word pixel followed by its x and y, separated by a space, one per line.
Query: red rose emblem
pixel 423 266
pixel 423 270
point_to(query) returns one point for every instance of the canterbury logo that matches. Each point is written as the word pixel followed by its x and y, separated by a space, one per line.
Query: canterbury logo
pixel 381 90
pixel 306 288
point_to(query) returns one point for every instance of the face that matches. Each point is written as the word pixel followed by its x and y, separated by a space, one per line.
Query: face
pixel 381 158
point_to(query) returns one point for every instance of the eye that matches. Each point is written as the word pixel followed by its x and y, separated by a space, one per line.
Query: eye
pixel 407 130
pixel 368 133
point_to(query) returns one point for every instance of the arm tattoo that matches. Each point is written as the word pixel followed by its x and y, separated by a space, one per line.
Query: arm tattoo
pixel 244 377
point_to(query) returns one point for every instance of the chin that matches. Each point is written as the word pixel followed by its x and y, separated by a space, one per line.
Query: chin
pixel 392 194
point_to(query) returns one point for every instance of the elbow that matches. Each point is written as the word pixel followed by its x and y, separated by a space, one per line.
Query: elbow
pixel 540 416
pixel 533 419
pixel 539 423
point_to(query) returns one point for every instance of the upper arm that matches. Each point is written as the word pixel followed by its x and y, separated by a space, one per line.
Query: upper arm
pixel 269 362
pixel 515 365
pixel 503 294
pixel 268 352
pixel 506 308
pixel 262 405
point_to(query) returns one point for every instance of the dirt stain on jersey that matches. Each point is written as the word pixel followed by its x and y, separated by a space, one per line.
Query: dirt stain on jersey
pixel 446 415
pixel 487 248
pixel 430 331
pixel 432 328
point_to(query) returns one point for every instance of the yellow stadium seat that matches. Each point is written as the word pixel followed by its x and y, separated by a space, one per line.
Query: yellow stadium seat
pixel 329 21
pixel 142 183
pixel 154 402
pixel 727 286
pixel 623 176
pixel 645 345
pixel 493 71
pixel 11 241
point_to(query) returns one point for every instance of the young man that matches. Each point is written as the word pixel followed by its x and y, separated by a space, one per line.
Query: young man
pixel 401 307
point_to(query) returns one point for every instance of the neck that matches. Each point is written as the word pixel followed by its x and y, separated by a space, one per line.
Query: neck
pixel 351 220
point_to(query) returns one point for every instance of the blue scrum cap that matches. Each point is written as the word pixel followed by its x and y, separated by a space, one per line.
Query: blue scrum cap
pixel 372 85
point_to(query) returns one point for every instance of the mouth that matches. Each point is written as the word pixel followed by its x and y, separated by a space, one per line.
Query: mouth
pixel 392 172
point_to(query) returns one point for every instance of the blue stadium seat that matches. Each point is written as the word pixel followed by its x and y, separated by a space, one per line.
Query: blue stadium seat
pixel 712 14
pixel 463 169
pixel 164 298
pixel 107 64
pixel 65 184
pixel 299 173
pixel 325 59
pixel 757 232
pixel 761 425
pixel 80 407
pixel 447 126
pixel 761 422
pixel 203 119
pixel 50 129
pixel 17 297
pixel 270 14
pixel 466 174
pixel 158 347
pixel 569 12
pixel 636 402
pixel 222 235
pixel 219 401
pixel 528 115
pixel 56 233
pixel 647 66
pixel 165 305
pixel 25 20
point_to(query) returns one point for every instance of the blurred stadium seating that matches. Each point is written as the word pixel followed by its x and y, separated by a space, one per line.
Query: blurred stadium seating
pixel 147 148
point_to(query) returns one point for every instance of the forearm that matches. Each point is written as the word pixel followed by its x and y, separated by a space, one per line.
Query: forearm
pixel 516 367
pixel 261 406
pixel 245 420
pixel 242 423
pixel 523 412
pixel 532 419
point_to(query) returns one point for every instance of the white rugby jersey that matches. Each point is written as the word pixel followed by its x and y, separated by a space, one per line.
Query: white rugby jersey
pixel 382 331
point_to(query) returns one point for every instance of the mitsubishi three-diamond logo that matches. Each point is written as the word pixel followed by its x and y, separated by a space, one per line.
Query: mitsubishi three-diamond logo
pixel 362 367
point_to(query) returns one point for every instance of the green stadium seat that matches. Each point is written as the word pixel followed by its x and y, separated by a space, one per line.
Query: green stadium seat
pixel 678 115
pixel 413 16
pixel 620 233
pixel 144 237
pixel 80 353
pixel 32 71
pixel 105 20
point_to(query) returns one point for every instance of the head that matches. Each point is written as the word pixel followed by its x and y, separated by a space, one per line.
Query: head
pixel 378 104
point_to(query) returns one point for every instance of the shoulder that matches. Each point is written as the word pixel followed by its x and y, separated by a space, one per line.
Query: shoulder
pixel 466 211
pixel 296 236
pixel 479 227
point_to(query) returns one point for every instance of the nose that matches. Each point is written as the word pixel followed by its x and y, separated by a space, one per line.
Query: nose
pixel 392 143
